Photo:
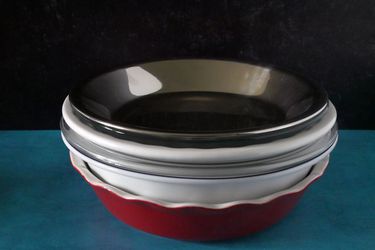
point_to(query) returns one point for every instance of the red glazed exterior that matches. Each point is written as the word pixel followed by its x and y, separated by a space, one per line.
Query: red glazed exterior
pixel 197 223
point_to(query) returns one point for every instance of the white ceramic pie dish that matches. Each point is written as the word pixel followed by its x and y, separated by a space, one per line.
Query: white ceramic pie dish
pixel 199 155
pixel 207 191
pixel 257 167
pixel 316 172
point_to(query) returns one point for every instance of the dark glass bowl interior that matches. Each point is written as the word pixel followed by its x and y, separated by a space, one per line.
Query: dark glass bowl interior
pixel 196 98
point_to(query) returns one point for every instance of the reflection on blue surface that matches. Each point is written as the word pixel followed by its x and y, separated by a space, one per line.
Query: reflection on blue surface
pixel 45 204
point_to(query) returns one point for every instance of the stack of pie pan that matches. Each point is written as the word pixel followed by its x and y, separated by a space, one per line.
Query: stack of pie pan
pixel 199 149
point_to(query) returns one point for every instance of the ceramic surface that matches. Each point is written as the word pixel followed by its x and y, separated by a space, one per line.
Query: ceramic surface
pixel 249 168
pixel 207 191
pixel 198 155
pixel 200 222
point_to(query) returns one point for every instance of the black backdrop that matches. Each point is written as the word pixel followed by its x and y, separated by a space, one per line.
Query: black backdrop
pixel 47 46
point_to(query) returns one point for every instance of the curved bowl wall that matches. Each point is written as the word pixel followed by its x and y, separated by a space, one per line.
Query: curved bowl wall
pixel 188 221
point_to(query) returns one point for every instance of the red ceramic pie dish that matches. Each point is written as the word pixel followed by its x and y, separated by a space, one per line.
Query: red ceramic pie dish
pixel 198 222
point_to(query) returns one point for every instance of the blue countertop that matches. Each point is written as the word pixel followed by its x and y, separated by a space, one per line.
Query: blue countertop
pixel 45 203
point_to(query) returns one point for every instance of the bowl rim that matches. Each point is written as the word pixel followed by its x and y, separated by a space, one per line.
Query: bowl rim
pixel 317 171
pixel 210 171
pixel 199 155
pixel 178 179
pixel 118 129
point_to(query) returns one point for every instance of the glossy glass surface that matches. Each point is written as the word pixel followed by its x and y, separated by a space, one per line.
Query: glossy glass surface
pixel 197 99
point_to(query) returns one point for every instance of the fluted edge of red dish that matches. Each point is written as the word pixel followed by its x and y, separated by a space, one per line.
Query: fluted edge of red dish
pixel 199 222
